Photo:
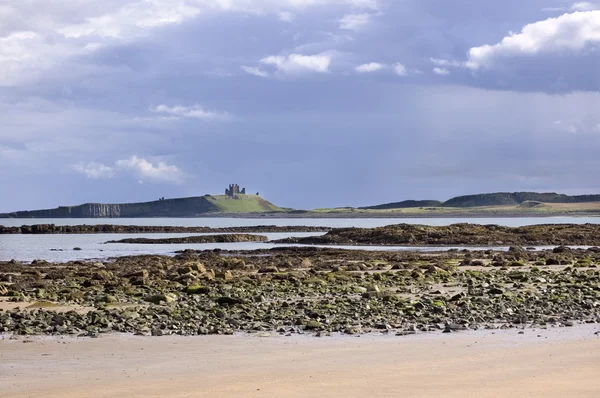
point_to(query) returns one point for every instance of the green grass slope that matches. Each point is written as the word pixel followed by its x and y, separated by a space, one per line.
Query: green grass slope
pixel 242 204
pixel 407 204
pixel 517 198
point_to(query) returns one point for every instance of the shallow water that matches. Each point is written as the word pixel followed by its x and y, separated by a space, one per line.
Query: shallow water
pixel 59 248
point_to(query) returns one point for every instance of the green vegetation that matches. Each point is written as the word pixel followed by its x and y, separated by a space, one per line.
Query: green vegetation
pixel 516 198
pixel 407 204
pixel 500 204
pixel 242 204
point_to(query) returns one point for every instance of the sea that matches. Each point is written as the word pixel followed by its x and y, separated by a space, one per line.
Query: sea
pixel 60 248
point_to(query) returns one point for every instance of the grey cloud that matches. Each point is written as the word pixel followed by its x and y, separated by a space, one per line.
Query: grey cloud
pixel 377 136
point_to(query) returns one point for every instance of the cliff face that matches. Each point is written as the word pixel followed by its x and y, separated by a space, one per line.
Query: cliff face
pixel 185 207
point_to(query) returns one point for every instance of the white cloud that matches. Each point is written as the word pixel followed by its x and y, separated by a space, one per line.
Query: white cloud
pixel 445 63
pixel 584 6
pixel 144 169
pixel 370 67
pixel 354 21
pixel 134 18
pixel 23 54
pixel 299 63
pixel 400 69
pixel 52 34
pixel 196 112
pixel 441 71
pixel 286 16
pixel 136 166
pixel 95 171
pixel 569 32
pixel 254 70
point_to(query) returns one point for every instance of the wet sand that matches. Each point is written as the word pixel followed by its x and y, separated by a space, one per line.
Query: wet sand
pixel 551 363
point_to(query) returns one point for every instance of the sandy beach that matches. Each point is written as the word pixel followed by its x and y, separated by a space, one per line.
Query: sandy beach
pixel 556 362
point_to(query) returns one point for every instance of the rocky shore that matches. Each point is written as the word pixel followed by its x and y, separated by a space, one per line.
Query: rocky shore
pixel 302 290
pixel 230 238
pixel 459 234
pixel 131 229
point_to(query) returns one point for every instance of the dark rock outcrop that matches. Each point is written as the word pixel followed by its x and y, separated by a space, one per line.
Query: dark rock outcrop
pixel 460 234
pixel 231 238
pixel 40 229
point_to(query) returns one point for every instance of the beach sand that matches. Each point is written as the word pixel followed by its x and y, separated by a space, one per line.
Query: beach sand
pixel 551 363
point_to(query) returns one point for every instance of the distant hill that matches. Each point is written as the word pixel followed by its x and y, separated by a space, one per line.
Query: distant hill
pixel 522 199
pixel 407 204
pixel 516 198
pixel 182 207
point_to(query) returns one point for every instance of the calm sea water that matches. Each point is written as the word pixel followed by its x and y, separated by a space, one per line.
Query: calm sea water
pixel 59 248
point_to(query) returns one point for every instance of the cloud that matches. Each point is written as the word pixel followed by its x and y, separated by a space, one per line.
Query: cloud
pixel 441 71
pixel 571 33
pixel 136 166
pixel 299 63
pixel 400 69
pixel 94 171
pixel 354 21
pixel 158 172
pixel 370 67
pixel 286 16
pixel 445 63
pixel 195 112
pixel 134 18
pixel 254 70
pixel 34 39
pixel 584 6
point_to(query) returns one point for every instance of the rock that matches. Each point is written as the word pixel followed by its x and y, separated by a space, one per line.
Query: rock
pixel 143 273
pixel 453 327
pixel 197 289
pixel 226 301
pixel 312 325
pixel 268 270
pixel 495 290
pixel 108 299
pixel 130 315
pixel 225 275
pixel 161 298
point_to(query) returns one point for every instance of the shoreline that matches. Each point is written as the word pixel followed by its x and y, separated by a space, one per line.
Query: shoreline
pixel 342 215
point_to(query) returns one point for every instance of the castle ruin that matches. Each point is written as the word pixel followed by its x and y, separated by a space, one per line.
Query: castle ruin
pixel 234 191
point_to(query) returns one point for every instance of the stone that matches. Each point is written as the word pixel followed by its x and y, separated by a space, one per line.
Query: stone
pixel 312 324
pixel 225 301
pixel 495 291
pixel 161 298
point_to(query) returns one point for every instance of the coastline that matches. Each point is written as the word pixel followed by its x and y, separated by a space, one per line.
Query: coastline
pixel 555 362
pixel 350 215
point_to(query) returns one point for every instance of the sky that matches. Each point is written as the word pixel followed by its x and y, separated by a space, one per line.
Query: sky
pixel 311 103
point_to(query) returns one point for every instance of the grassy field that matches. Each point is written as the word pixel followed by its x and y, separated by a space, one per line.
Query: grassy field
pixel 243 204
pixel 537 209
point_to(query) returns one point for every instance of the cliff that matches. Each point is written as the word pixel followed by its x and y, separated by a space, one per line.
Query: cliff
pixel 182 207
